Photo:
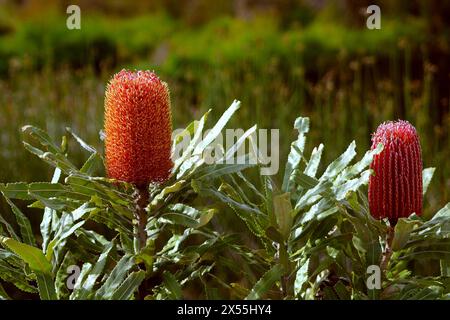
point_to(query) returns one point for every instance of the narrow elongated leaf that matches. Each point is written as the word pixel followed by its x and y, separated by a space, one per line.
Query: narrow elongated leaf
pixel 47 189
pixel 3 294
pixel 85 269
pixel 217 129
pixel 24 224
pixel 357 168
pixel 314 161
pixel 46 223
pixel 352 185
pixel 56 160
pixel 296 153
pixel 9 228
pixel 62 274
pixel 266 282
pixel 173 286
pixel 46 286
pixel 233 203
pixel 34 257
pixel 82 143
pixel 88 284
pixel 198 127
pixel 443 213
pixel 116 277
pixel 15 276
pixel 67 228
pixel 129 286
pixel 318 211
pixel 314 194
pixel 427 175
pixel 93 164
pixel 17 190
pixel 403 229
pixel 282 208
pixel 176 218
pixel 42 137
pixel 301 277
pixel 340 163
pixel 218 170
pixel 230 152
pixel 306 181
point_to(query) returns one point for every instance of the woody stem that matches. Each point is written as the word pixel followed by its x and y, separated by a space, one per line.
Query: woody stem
pixel 388 250
pixel 141 216
pixel 287 285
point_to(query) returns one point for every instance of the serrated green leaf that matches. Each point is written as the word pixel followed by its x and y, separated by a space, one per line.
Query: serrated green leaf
pixel 3 294
pixel 314 194
pixel 353 170
pixel 24 224
pixel 82 143
pixel 129 286
pixel 211 172
pixel 34 257
pixel 9 228
pixel 283 211
pixel 66 229
pixel 340 163
pixel 233 149
pixel 92 164
pixel 266 282
pixel 173 286
pixel 88 284
pixel 314 161
pixel 217 128
pixel 18 190
pixel 198 127
pixel 351 185
pixel 42 137
pixel 85 269
pixel 301 278
pixel 15 276
pixel 427 175
pixel 46 286
pixel 116 277
pixel 403 229
pixel 47 218
pixel 296 153
pixel 62 290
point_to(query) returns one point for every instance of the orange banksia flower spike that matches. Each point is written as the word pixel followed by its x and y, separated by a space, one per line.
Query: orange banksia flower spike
pixel 138 128
pixel 395 189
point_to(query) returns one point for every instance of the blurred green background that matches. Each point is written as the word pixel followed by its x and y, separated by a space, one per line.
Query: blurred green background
pixel 282 59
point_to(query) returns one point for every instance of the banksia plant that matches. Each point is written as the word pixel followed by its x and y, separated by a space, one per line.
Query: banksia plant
pixel 395 189
pixel 138 128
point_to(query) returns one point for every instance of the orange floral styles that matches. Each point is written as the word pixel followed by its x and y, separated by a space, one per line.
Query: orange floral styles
pixel 138 128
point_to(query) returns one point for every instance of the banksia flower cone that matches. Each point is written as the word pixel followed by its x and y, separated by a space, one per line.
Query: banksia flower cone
pixel 395 189
pixel 138 128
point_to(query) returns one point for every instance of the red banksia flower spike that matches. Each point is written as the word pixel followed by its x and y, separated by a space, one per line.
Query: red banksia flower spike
pixel 138 128
pixel 395 189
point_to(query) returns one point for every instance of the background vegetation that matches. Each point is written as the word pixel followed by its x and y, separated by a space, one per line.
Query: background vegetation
pixel 282 60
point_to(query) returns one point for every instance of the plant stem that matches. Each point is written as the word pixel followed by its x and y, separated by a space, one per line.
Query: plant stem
pixel 142 199
pixel 287 285
pixel 141 216
pixel 388 250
